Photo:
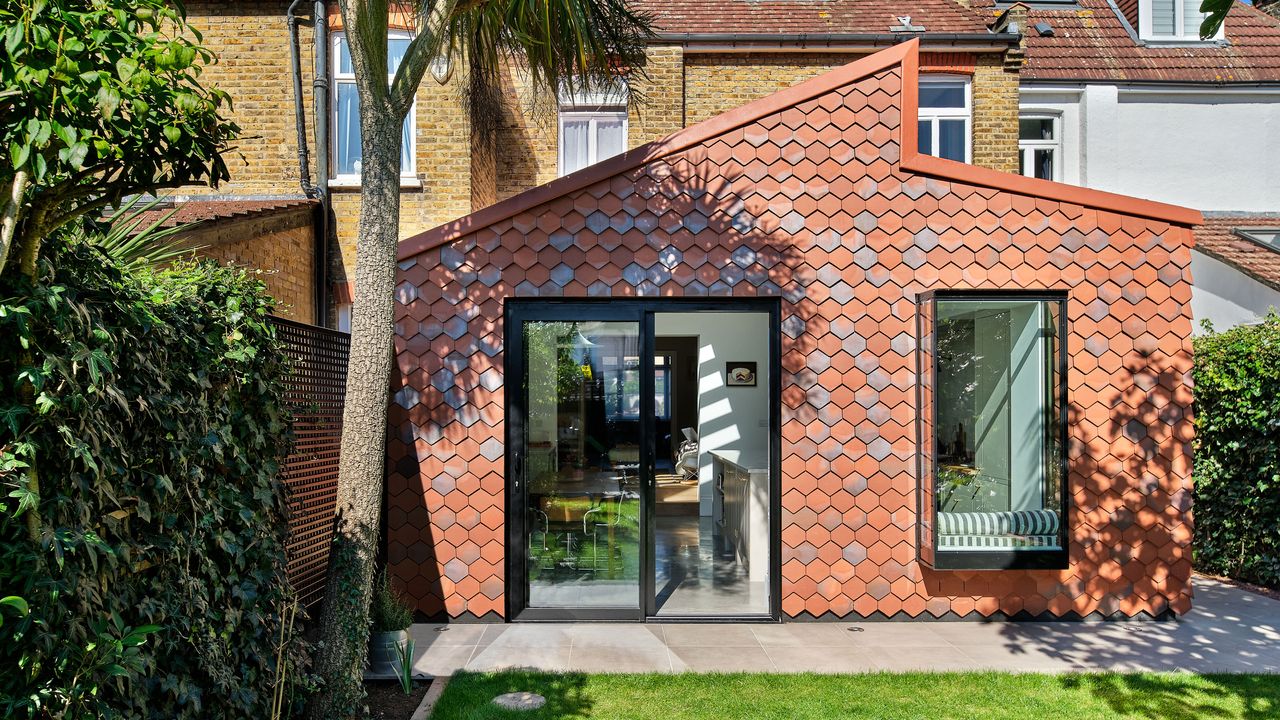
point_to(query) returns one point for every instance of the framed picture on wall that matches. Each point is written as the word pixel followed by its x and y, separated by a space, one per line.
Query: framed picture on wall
pixel 740 374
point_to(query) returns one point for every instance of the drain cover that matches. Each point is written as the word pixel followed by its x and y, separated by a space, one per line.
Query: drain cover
pixel 520 701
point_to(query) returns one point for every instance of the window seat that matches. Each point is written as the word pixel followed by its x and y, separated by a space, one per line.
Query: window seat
pixel 998 530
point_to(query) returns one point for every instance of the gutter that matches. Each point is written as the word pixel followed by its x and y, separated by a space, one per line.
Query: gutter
pixel 846 42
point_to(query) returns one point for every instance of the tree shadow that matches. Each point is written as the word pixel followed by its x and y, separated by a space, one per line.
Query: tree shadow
pixel 1161 697
pixel 470 695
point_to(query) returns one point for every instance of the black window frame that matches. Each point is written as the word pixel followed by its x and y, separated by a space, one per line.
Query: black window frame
pixel 927 551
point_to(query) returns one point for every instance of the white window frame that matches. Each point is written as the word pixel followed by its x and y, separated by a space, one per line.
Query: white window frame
pixel 593 117
pixel 408 171
pixel 1027 148
pixel 603 104
pixel 1181 34
pixel 935 114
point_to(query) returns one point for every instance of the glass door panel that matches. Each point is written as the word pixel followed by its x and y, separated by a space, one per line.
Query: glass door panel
pixel 582 439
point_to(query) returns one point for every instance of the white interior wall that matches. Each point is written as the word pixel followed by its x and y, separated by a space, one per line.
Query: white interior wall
pixel 729 418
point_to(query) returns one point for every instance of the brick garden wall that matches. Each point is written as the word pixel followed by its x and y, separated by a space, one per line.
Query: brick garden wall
pixel 809 203
pixel 281 247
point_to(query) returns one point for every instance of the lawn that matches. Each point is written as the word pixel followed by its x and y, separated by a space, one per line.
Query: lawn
pixel 958 696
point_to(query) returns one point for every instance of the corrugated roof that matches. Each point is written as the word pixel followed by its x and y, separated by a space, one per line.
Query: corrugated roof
pixel 1216 238
pixel 1090 42
pixel 809 16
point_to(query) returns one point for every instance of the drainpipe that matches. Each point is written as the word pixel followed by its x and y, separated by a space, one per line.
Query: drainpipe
pixel 300 120
pixel 320 222
pixel 320 95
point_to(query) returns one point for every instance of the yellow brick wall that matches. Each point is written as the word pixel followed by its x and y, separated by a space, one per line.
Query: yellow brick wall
pixel 528 140
pixel 279 249
pixel 995 115
pixel 251 41
pixel 715 83
pixel 252 45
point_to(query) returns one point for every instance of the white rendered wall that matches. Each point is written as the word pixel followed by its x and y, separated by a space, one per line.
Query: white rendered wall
pixel 1225 296
pixel 729 418
pixel 1209 149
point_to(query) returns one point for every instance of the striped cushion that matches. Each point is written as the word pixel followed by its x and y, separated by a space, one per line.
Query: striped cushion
pixel 990 542
pixel 1017 522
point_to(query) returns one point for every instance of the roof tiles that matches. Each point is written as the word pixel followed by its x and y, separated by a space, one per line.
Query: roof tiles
pixel 809 16
pixel 1090 42
pixel 1217 239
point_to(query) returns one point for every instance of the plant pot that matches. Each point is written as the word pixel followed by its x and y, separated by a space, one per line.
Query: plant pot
pixel 384 659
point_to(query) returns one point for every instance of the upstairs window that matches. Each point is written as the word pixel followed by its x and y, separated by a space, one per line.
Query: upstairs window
pixel 593 127
pixel 993 428
pixel 1040 146
pixel 946 115
pixel 1172 20
pixel 346 110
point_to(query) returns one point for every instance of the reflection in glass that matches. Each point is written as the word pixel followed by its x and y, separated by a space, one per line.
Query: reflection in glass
pixel 997 444
pixel 582 441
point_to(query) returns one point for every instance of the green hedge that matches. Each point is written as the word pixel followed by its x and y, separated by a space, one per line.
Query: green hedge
pixel 157 586
pixel 1237 454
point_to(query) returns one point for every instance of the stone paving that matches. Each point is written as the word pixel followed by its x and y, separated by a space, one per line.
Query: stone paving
pixel 1229 630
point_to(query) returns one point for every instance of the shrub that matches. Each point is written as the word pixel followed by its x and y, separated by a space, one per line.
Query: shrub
pixel 1237 452
pixel 388 611
pixel 156 584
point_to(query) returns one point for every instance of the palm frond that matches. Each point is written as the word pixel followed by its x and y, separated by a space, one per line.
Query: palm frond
pixel 570 45
pixel 131 240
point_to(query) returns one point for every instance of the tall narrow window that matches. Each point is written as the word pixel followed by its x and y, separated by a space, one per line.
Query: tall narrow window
pixel 945 115
pixel 593 127
pixel 995 391
pixel 1172 20
pixel 346 110
pixel 1039 147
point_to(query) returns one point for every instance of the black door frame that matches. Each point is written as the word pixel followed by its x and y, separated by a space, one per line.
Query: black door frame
pixel 516 312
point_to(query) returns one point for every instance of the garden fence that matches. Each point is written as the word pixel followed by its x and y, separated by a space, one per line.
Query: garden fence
pixel 314 395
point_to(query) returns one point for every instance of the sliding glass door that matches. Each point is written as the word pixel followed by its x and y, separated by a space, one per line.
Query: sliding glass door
pixel 576 461
pixel 642 459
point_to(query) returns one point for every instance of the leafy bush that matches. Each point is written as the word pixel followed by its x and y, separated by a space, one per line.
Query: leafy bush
pixel 1237 460
pixel 150 403
pixel 388 611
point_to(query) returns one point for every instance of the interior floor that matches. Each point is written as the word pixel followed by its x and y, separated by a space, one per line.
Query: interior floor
pixel 697 574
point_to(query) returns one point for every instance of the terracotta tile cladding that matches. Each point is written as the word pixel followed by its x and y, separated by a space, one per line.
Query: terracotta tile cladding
pixel 716 203
pixel 1217 239
pixel 1090 42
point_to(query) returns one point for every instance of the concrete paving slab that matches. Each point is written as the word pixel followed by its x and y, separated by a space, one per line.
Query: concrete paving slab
pixel 703 658
pixel 1230 630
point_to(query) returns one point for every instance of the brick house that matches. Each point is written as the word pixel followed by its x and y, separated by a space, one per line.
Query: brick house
pixel 709 57
pixel 1126 97
pixel 764 347
pixel 782 365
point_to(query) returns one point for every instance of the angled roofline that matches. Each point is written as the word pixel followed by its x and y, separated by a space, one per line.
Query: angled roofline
pixel 912 159
pixel 906 54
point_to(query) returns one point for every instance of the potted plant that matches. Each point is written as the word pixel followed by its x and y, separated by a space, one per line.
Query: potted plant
pixel 390 618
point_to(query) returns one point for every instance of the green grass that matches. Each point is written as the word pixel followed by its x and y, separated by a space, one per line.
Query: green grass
pixel 954 696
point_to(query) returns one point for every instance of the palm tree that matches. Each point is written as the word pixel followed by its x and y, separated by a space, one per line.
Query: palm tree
pixel 574 44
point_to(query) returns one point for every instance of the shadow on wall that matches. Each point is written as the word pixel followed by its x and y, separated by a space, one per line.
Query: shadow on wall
pixel 1128 462
pixel 688 225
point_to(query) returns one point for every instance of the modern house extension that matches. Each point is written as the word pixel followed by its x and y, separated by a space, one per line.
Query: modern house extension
pixel 785 365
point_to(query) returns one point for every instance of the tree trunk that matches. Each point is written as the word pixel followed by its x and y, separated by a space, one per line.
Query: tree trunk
pixel 344 622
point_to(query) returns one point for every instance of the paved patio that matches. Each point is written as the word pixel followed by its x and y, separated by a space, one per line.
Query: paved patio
pixel 1229 630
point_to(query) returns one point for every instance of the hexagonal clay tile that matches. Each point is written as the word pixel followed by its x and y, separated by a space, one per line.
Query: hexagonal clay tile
pixel 815 207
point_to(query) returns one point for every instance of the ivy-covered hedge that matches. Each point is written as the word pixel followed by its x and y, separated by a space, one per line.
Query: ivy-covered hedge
pixel 1237 454
pixel 155 584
